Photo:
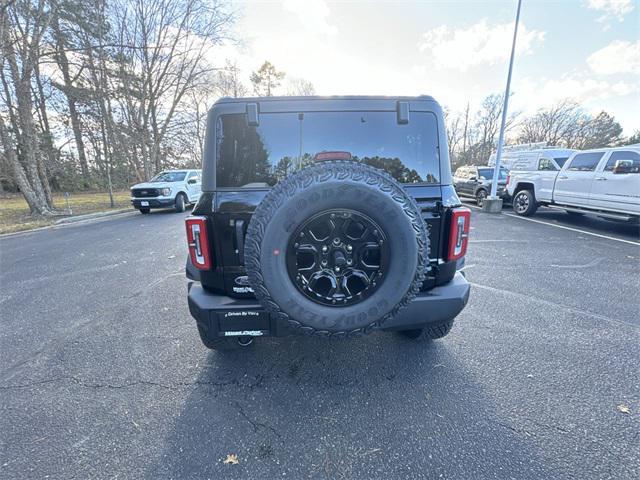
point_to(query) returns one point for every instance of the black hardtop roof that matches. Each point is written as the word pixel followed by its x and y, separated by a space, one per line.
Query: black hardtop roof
pixel 427 98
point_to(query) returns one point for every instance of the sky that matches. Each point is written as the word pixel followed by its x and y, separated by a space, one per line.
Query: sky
pixel 456 51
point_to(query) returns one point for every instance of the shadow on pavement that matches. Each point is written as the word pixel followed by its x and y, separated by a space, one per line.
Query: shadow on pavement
pixel 376 407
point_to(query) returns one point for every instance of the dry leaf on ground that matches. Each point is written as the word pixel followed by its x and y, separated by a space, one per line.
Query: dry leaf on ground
pixel 624 409
pixel 232 459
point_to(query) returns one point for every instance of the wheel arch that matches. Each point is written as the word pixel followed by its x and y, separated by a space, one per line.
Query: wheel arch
pixel 524 186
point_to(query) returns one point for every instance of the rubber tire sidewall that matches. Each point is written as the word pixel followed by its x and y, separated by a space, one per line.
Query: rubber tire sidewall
pixel 145 211
pixel 399 282
pixel 180 203
pixel 478 202
pixel 531 209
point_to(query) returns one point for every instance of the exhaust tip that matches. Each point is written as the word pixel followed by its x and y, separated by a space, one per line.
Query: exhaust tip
pixel 245 341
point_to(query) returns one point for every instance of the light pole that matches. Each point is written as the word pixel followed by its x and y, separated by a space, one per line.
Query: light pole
pixel 493 199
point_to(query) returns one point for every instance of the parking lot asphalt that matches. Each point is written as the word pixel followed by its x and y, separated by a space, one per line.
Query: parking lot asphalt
pixel 102 373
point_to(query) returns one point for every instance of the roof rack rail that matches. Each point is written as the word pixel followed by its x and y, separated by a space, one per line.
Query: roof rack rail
pixel 528 146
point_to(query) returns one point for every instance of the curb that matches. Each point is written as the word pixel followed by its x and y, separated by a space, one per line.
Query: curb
pixel 89 216
pixel 76 220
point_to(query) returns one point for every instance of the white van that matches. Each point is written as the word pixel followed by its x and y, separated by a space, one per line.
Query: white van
pixel 526 158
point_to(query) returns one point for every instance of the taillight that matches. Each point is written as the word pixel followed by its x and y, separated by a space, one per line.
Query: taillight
pixel 198 241
pixel 459 233
pixel 508 178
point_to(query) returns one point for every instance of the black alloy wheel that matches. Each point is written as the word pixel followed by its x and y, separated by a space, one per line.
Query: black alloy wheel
pixel 338 257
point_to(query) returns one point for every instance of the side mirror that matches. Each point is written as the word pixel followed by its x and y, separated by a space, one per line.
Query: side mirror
pixel 473 179
pixel 192 180
pixel 624 166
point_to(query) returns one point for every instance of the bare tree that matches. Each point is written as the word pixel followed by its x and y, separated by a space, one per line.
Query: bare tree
pixel 299 87
pixel 567 124
pixel 229 83
pixel 167 46
pixel 24 23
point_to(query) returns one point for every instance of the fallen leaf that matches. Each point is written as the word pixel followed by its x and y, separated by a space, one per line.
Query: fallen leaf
pixel 624 409
pixel 171 256
pixel 232 459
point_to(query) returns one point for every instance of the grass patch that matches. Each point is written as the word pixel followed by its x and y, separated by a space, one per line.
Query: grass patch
pixel 15 215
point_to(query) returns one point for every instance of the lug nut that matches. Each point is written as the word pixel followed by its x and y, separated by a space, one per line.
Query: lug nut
pixel 324 263
pixel 324 248
pixel 349 248
pixel 336 241
pixel 349 262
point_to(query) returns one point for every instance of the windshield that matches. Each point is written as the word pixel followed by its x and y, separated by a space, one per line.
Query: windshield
pixel 487 173
pixel 169 177
pixel 249 156
pixel 560 160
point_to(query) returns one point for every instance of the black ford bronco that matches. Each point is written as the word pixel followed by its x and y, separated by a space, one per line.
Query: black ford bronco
pixel 329 216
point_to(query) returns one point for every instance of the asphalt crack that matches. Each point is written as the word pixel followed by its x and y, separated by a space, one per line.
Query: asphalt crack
pixel 98 385
pixel 256 424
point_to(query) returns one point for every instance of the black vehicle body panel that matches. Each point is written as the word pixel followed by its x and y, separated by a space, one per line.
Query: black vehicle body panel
pixel 224 288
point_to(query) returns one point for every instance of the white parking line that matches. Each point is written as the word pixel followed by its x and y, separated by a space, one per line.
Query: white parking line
pixel 586 232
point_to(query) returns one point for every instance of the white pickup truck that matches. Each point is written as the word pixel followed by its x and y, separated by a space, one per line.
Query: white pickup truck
pixel 604 182
pixel 171 188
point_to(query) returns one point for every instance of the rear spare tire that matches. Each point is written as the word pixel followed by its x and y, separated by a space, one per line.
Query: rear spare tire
pixel 337 248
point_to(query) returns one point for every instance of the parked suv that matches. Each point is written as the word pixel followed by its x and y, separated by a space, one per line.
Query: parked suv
pixel 326 216
pixel 171 188
pixel 475 182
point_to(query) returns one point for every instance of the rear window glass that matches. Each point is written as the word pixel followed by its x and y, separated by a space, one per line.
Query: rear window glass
pixel 249 156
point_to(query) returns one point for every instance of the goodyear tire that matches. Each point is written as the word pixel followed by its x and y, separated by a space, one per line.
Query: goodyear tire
pixel 354 194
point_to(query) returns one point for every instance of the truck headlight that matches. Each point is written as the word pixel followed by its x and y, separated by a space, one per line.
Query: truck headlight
pixel 166 191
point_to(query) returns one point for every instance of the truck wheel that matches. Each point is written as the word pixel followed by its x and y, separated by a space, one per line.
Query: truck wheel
pixel 524 203
pixel 429 332
pixel 144 210
pixel 336 249
pixel 180 202
pixel 221 343
pixel 480 196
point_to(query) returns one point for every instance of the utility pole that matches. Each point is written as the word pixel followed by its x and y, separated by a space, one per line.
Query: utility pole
pixel 493 199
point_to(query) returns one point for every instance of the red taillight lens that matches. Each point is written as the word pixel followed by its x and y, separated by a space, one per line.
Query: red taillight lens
pixel 508 178
pixel 198 241
pixel 459 233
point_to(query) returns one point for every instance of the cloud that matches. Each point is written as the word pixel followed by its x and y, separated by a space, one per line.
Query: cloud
pixel 481 43
pixel 540 92
pixel 312 14
pixel 620 56
pixel 611 9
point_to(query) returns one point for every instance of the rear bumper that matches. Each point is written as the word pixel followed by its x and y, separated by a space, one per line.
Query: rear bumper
pixel 221 316
pixel 153 202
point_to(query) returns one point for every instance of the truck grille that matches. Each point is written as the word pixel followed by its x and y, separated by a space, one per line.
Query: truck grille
pixel 145 192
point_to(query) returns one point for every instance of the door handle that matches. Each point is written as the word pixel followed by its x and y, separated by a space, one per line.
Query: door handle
pixel 562 177
pixel 601 178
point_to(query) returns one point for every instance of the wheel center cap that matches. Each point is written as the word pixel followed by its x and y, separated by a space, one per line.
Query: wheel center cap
pixel 339 259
